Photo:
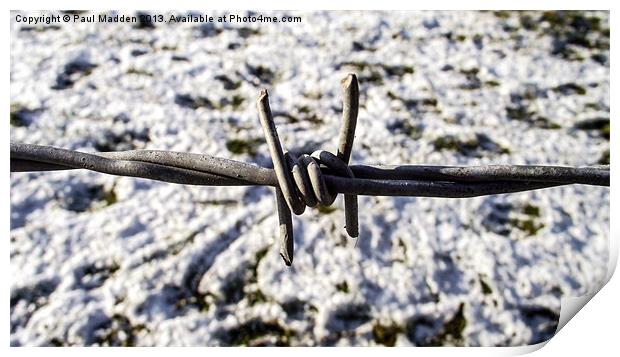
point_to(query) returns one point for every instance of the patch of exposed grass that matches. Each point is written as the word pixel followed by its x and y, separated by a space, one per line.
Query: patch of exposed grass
pixel 528 22
pixel 405 127
pixel 398 70
pixel 531 210
pixel 593 106
pixel 228 83
pixel 139 72
pixel 258 257
pixel 522 112
pixel 262 74
pixel 473 147
pixel 478 40
pixel 574 29
pixel 72 72
pixel 193 102
pixel 359 66
pixel 117 331
pixel 343 287
pixel 247 32
pixel 85 197
pixel 386 334
pixel 452 331
pixel 233 103
pixel 529 226
pixel 600 125
pixel 244 284
pixel 257 333
pixel 375 72
pixel 450 142
pixel 304 114
pixel 127 140
pixel 418 105
pixel 486 289
pixel 401 251
pixel 451 36
pixel 21 116
pixel 472 81
pixel 569 89
pixel 255 297
pixel 241 146
pixel 505 218
pixel 502 14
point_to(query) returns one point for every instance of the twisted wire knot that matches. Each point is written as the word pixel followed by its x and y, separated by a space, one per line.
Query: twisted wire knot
pixel 307 176
pixel 300 180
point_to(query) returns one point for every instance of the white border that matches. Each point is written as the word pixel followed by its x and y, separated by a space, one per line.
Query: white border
pixel 591 330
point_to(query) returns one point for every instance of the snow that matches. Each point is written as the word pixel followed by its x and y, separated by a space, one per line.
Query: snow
pixel 97 259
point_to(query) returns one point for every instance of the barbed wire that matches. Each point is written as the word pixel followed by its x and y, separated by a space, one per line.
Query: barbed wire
pixel 311 180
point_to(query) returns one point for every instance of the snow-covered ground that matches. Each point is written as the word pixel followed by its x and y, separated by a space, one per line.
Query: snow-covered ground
pixel 98 259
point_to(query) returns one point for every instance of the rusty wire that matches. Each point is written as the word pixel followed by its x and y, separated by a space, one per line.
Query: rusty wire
pixel 311 180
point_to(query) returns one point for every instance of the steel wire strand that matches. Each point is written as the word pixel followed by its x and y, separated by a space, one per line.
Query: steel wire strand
pixel 30 158
pixel 588 175
pixel 62 159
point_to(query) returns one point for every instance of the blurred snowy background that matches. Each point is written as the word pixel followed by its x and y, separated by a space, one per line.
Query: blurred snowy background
pixel 104 260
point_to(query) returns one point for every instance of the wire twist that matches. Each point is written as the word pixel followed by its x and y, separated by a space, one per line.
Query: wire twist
pixel 300 180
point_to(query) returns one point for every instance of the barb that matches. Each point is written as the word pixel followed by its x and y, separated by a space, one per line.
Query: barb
pixel 350 106
pixel 311 180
